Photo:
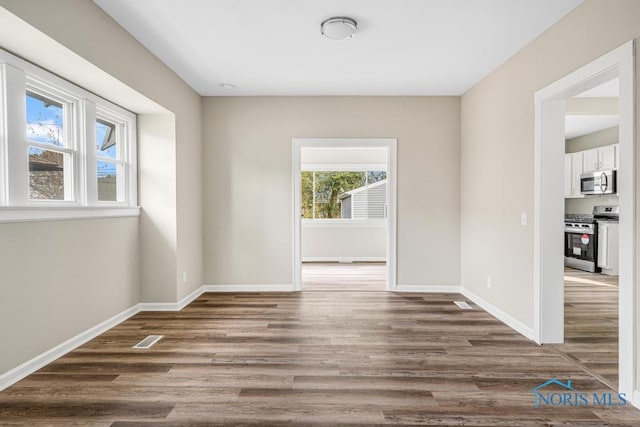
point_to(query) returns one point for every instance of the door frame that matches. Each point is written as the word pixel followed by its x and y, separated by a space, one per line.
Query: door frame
pixel 548 287
pixel 391 147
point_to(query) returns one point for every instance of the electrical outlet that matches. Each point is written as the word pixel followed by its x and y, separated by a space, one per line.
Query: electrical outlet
pixel 488 281
pixel 184 277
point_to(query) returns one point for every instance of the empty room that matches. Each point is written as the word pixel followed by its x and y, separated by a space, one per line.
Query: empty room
pixel 337 212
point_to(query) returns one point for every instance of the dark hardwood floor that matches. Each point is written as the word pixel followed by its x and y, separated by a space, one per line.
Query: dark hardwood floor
pixel 307 358
pixel 591 323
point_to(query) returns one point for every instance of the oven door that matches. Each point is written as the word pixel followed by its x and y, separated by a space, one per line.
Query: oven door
pixel 580 245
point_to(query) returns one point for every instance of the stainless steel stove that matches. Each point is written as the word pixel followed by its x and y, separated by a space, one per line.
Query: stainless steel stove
pixel 580 242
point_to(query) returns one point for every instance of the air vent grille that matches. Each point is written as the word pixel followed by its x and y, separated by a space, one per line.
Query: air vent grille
pixel 463 305
pixel 148 341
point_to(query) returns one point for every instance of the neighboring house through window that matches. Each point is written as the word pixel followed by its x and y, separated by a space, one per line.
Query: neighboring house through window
pixel 343 194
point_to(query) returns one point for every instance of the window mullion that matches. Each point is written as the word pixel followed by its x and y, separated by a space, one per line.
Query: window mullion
pixel 90 153
pixel 16 137
pixel 313 206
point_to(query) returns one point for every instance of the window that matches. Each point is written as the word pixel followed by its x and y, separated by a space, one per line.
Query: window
pixel 65 152
pixel 50 149
pixel 344 194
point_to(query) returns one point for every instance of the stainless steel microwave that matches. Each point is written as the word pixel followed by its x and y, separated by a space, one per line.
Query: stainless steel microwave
pixel 598 182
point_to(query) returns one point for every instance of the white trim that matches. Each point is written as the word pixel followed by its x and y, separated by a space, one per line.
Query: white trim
pixel 635 400
pixel 343 259
pixel 348 167
pixel 505 318
pixel 19 77
pixel 30 366
pixel 445 289
pixel 257 287
pixel 549 133
pixel 172 306
pixel 344 223
pixel 391 145
pixel 14 214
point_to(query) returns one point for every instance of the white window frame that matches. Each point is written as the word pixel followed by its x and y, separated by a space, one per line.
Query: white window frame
pixel 71 147
pixel 343 222
pixel 82 108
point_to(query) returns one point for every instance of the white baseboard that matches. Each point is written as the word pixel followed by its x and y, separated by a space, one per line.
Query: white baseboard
pixel 635 401
pixel 172 306
pixel 30 366
pixel 505 318
pixel 344 259
pixel 445 289
pixel 249 288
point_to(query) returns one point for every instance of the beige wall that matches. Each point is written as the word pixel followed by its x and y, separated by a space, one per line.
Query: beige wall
pixel 94 267
pixel 61 278
pixel 84 29
pixel 497 149
pixel 248 183
pixel 342 241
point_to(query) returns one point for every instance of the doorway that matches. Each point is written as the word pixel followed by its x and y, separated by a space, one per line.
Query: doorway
pixel 591 249
pixel 344 211
pixel 550 110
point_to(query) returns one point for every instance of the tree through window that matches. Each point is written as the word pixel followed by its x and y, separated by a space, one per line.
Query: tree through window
pixel 343 194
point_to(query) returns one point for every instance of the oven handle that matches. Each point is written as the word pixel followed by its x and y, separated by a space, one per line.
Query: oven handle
pixel 578 231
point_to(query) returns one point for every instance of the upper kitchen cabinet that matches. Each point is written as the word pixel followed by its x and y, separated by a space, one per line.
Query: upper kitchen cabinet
pixel 573 163
pixel 600 158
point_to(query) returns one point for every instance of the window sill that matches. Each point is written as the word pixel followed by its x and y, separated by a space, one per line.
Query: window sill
pixel 344 223
pixel 50 213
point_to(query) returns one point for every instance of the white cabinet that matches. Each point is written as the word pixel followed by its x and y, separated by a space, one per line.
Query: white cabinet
pixel 567 175
pixel 590 160
pixel 572 171
pixel 607 156
pixel 608 257
pixel 600 158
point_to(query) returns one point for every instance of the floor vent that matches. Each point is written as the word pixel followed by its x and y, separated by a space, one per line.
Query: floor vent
pixel 148 341
pixel 463 305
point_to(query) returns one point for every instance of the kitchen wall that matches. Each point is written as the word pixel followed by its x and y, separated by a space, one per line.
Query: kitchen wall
pixel 498 150
pixel 61 278
pixel 248 180
pixel 585 142
pixel 592 140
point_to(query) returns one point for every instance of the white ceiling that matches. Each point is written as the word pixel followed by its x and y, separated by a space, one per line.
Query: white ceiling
pixel 582 125
pixel 274 47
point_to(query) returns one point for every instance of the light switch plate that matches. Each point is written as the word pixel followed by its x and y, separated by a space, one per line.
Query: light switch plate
pixel 523 218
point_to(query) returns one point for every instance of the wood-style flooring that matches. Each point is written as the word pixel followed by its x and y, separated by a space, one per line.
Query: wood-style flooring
pixel 305 359
pixel 359 276
pixel 591 323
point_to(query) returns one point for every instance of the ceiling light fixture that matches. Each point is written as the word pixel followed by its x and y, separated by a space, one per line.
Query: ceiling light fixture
pixel 227 86
pixel 339 28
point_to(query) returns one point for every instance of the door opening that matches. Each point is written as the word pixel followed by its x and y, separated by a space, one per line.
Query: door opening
pixel 344 212
pixel 550 110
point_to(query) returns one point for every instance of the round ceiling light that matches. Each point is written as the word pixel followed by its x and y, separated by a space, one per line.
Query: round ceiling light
pixel 339 28
pixel 227 86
